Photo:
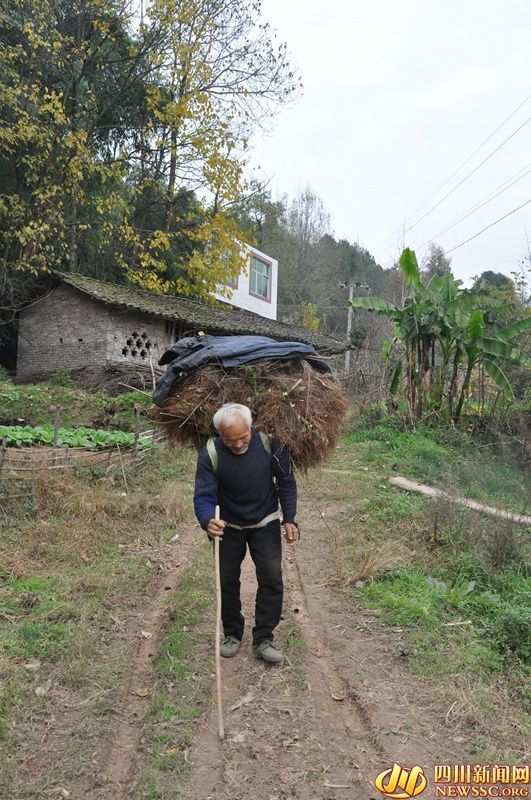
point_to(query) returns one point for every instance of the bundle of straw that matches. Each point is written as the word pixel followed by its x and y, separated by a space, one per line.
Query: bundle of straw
pixel 289 400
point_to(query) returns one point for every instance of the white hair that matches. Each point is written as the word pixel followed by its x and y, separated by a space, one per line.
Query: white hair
pixel 230 412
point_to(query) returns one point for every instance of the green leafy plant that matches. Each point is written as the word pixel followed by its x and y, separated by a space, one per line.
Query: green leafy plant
pixel 26 436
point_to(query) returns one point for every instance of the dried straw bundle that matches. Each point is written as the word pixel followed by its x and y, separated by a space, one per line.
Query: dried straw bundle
pixel 301 407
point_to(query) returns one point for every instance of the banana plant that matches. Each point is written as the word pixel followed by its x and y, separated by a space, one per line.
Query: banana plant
pixel 444 335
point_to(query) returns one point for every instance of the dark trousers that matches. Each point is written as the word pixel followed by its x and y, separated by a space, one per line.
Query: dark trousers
pixel 266 551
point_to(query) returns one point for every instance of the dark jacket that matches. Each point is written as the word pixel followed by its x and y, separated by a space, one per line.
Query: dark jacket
pixel 247 487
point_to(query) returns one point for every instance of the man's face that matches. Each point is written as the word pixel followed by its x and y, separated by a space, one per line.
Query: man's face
pixel 236 436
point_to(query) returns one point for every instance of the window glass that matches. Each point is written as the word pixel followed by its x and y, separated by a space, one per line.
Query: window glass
pixel 260 274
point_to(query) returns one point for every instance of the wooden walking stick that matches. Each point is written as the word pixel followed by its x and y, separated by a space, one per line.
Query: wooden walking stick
pixel 221 730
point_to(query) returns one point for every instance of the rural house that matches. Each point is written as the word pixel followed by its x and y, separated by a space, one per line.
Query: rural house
pixel 255 289
pixel 83 323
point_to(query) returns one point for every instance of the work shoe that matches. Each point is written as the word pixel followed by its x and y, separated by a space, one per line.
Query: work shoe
pixel 230 646
pixel 267 651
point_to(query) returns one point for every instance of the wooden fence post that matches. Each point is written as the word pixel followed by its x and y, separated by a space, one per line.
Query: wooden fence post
pixel 137 432
pixel 56 411
pixel 3 454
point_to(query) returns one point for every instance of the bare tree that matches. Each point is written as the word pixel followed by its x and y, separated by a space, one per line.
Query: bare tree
pixel 435 263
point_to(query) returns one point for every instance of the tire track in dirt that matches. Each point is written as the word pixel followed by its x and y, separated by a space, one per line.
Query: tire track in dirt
pixel 290 732
pixel 124 754
pixel 341 689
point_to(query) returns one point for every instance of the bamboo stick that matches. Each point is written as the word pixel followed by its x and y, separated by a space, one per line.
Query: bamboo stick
pixel 221 729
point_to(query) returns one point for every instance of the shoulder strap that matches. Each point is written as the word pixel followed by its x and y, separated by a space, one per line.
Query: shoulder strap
pixel 266 441
pixel 212 454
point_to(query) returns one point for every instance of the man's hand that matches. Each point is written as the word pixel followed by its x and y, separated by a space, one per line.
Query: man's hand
pixel 216 527
pixel 291 532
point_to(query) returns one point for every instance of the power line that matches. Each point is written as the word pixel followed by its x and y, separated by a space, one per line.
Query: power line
pixel 491 225
pixel 483 143
pixel 476 151
pixel 500 190
pixel 469 174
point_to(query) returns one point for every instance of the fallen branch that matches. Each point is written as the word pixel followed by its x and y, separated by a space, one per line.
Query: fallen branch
pixel 453 624
pixel 429 491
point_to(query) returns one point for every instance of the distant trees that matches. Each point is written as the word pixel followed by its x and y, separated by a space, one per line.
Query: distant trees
pixel 490 280
pixel 315 267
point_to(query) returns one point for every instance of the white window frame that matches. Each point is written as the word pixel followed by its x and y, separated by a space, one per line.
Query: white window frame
pixel 269 274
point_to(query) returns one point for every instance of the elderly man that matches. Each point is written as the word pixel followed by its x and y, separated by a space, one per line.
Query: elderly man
pixel 247 474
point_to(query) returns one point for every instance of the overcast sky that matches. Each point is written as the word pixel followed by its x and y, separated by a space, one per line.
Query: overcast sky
pixel 397 95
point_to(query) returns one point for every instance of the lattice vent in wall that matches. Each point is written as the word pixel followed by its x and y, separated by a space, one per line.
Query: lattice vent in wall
pixel 137 345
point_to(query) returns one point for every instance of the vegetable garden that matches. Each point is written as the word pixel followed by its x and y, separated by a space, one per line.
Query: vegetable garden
pixel 26 435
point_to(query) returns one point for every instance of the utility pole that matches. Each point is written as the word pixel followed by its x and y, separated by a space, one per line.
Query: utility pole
pixel 350 316
pixel 349 327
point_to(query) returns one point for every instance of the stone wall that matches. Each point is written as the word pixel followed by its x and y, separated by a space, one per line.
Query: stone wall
pixel 64 330
pixel 69 330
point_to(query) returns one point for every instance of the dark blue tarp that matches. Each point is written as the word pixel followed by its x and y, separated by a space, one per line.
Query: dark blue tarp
pixel 192 352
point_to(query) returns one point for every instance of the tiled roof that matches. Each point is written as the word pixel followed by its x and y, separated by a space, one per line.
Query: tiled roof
pixel 220 318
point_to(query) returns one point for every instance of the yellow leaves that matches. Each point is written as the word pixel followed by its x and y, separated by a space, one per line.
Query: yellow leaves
pixel 154 100
pixel 170 124
pixel 310 317
pixel 31 232
pixel 52 104
pixel 217 257
pixel 110 206
pixel 221 257
pixel 102 26
pixel 160 241
pixel 46 193
pixel 170 112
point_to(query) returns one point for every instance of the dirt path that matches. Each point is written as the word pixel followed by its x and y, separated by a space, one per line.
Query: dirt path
pixel 318 728
pixel 290 731
pixel 124 751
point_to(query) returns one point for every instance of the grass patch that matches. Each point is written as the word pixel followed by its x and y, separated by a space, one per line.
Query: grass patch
pixel 446 458
pixel 77 559
pixel 182 670
pixel 489 612
pixel 13 692
pixel 296 650
pixel 389 506
pixel 42 621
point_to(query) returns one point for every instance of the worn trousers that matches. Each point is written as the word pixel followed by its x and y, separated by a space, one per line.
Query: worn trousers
pixel 265 548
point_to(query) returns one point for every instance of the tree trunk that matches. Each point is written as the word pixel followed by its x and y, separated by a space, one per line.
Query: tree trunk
pixel 73 235
pixel 434 398
pixel 413 380
pixel 418 380
pixel 453 385
pixel 464 389
pixel 171 179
